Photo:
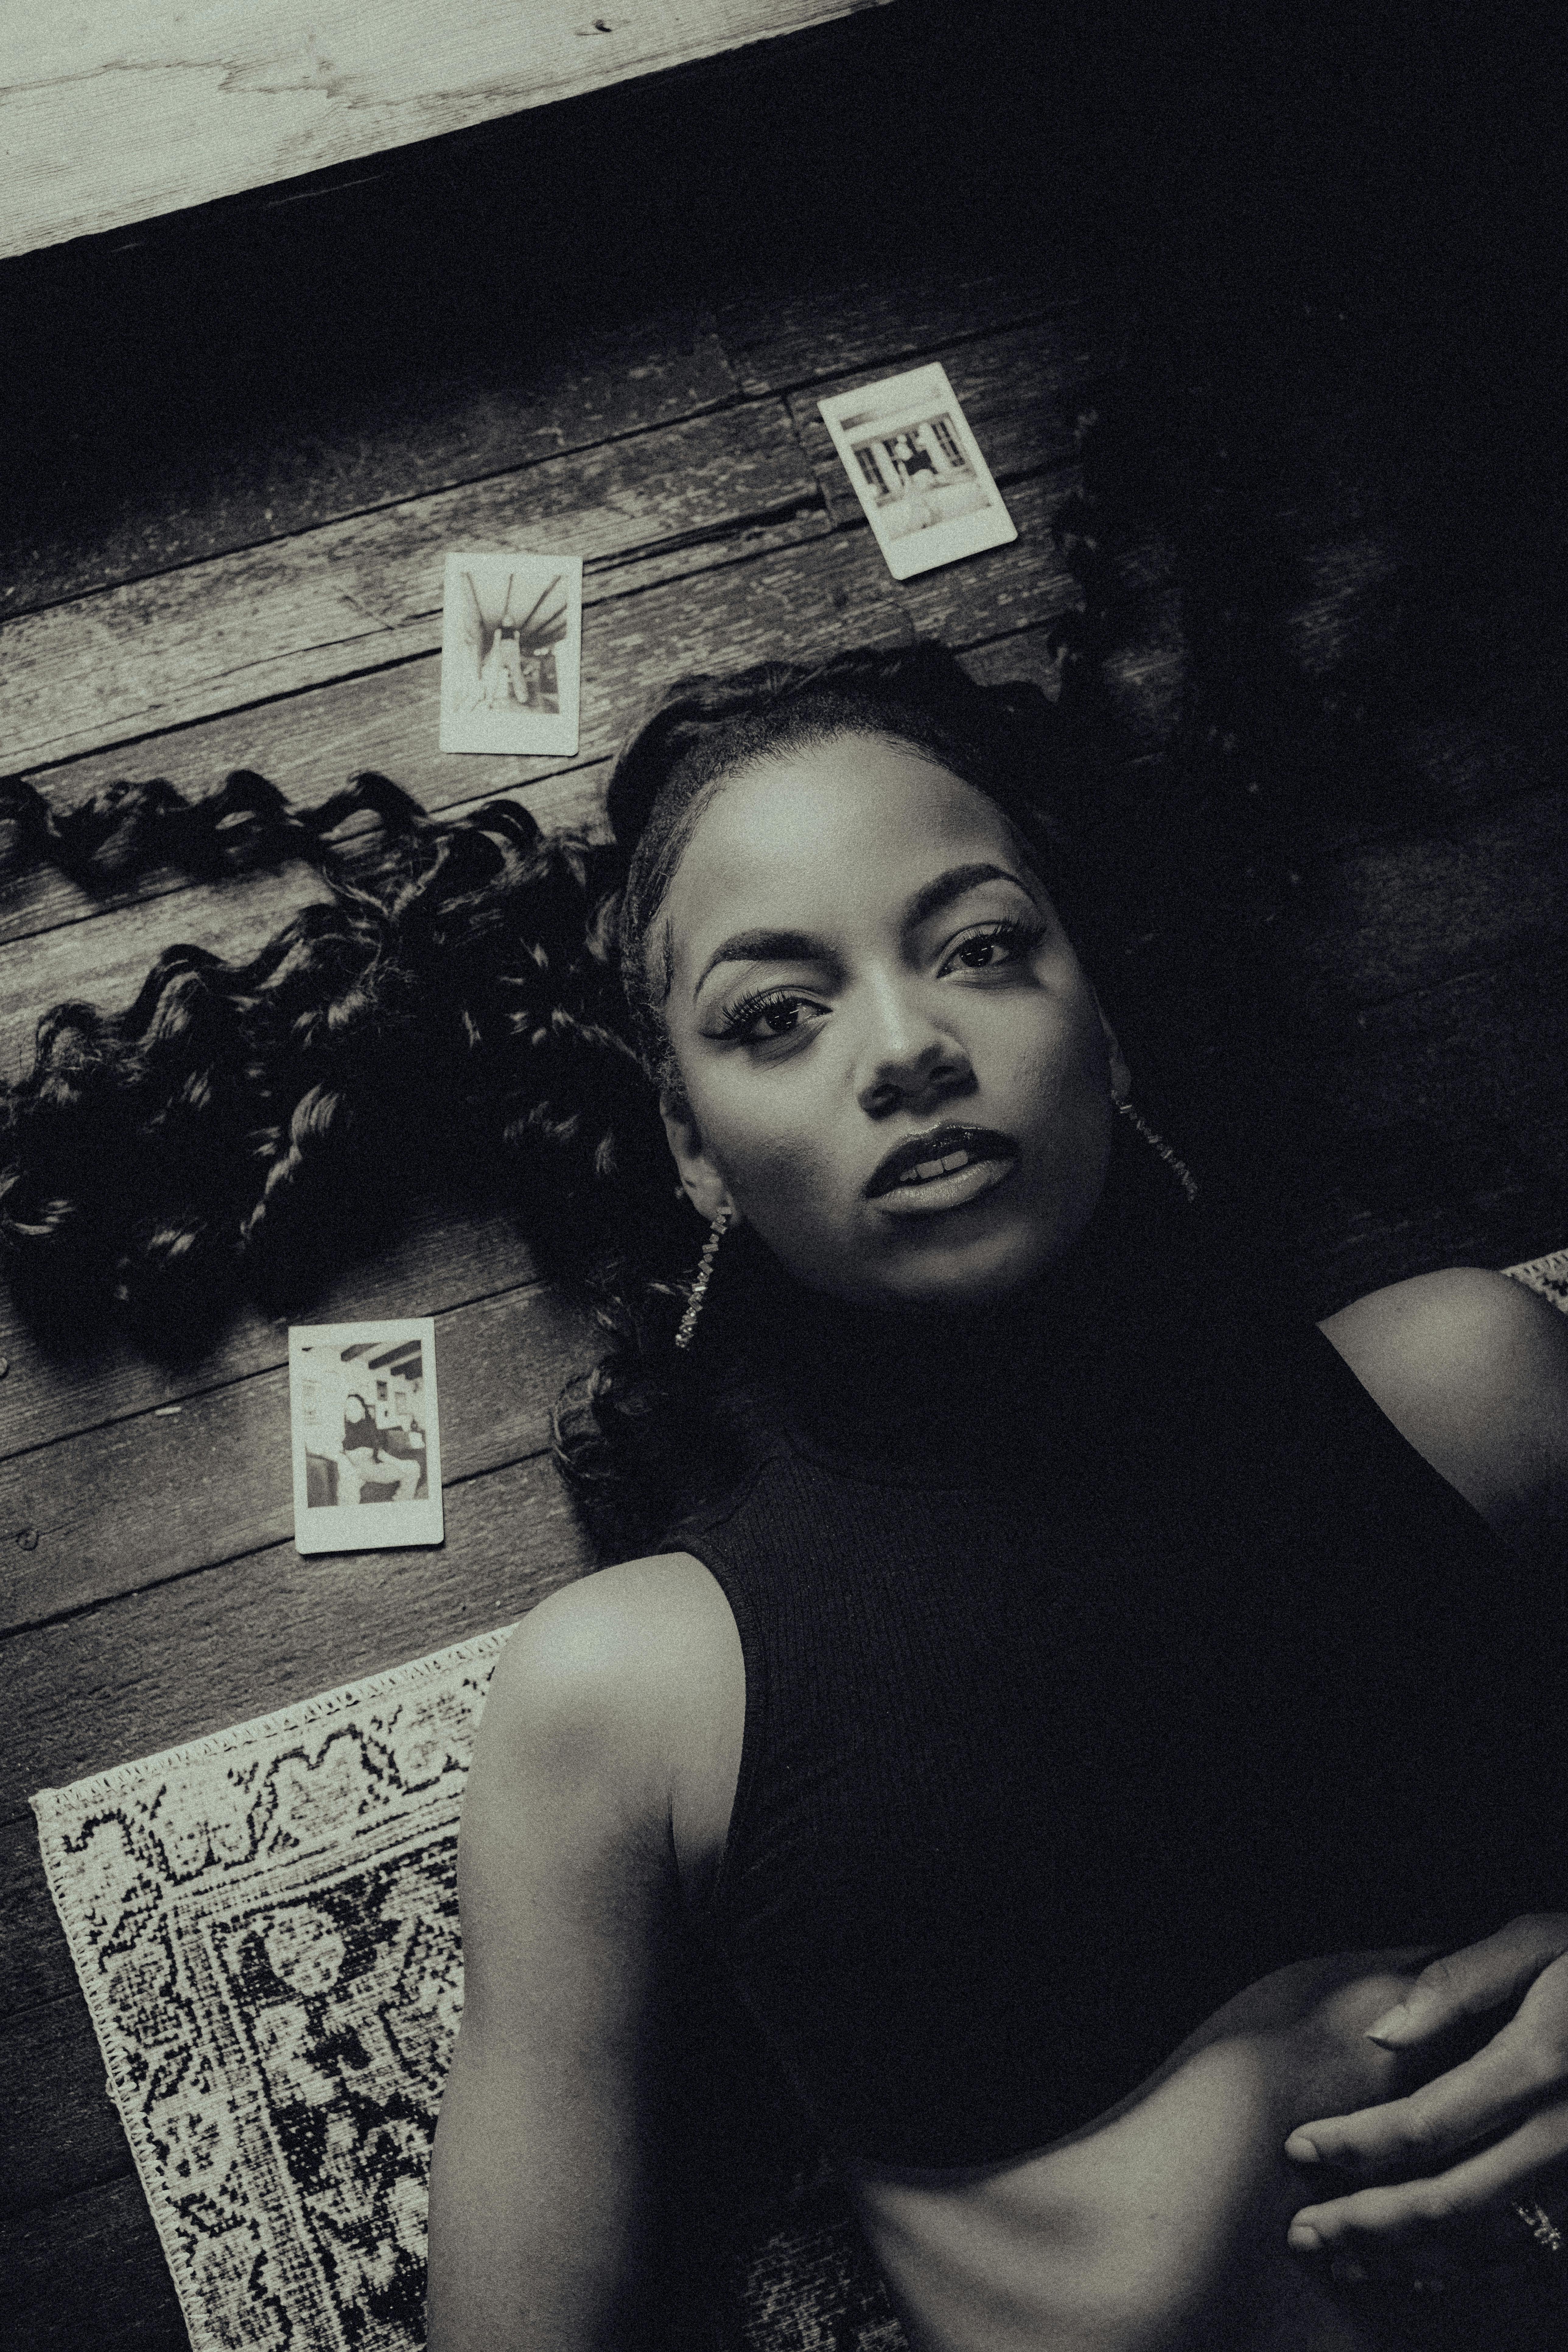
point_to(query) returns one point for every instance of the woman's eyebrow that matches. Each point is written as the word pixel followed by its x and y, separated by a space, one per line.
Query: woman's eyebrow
pixel 765 947
pixel 802 947
pixel 935 896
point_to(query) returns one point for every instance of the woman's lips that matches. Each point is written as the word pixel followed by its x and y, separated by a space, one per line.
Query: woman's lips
pixel 933 1195
pixel 942 1169
pixel 922 1158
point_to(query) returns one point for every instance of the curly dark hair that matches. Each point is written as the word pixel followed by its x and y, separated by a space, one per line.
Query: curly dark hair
pixel 473 992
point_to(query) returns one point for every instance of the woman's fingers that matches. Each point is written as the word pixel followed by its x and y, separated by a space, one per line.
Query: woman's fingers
pixel 1470 1983
pixel 1523 2064
pixel 1444 2206
pixel 1514 2072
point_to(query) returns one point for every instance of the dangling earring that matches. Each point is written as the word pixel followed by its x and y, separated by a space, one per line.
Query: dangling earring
pixel 704 1276
pixel 1178 1168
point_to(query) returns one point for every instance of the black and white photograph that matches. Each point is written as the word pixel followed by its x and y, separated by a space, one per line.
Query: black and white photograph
pixel 966 1084
pixel 367 1441
pixel 510 653
pixel 917 470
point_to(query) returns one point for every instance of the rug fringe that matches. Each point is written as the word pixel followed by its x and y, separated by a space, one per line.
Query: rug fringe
pixel 1537 1270
pixel 121 1777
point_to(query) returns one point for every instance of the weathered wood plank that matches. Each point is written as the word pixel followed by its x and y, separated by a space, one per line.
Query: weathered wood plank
pixel 170 1664
pixel 1484 1055
pixel 1008 589
pixel 1420 910
pixel 117 114
pixel 1021 391
pixel 355 595
pixel 275 475
pixel 800 601
pixel 35 1959
pixel 1435 1129
pixel 442 1260
pixel 90 2269
pixel 138 1501
pixel 781 332
pixel 62 2132
pixel 1511 735
pixel 359 594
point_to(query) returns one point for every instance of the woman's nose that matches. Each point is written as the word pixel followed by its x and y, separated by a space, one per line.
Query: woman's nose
pixel 907 1056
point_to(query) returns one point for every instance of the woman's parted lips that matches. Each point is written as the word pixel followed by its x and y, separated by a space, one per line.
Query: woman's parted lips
pixel 927 1153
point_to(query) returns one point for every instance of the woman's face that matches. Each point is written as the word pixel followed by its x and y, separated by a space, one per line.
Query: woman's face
pixel 894 1067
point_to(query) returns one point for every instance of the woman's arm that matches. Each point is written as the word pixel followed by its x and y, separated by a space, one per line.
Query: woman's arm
pixel 545 2227
pixel 1473 1370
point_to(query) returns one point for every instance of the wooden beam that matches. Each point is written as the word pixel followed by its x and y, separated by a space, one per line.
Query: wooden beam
pixel 112 112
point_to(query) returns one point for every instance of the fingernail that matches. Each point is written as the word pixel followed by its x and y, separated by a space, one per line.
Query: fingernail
pixel 1301 2150
pixel 1345 2271
pixel 1391 2026
pixel 1303 2239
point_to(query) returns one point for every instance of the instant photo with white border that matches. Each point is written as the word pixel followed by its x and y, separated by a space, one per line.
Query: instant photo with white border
pixel 917 469
pixel 511 653
pixel 367 1445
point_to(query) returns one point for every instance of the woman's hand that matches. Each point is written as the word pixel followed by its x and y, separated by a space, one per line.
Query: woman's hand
pixel 1447 2165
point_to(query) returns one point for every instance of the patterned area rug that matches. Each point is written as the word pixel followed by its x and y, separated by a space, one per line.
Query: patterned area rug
pixel 265 1926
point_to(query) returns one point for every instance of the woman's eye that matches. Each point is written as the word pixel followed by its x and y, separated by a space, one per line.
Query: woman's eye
pixel 761 1019
pixel 1003 943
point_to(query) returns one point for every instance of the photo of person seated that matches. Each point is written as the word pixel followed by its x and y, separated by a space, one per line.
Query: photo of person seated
pixel 374 1456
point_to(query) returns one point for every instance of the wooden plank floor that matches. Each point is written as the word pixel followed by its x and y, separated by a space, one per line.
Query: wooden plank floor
pixel 1360 728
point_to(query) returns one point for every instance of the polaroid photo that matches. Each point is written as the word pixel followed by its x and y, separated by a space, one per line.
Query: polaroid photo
pixel 917 470
pixel 511 654
pixel 367 1450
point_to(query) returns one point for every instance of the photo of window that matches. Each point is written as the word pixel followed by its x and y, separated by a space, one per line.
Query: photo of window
pixel 917 470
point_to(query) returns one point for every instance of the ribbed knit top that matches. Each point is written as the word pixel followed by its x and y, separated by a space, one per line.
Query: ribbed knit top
pixel 1100 1656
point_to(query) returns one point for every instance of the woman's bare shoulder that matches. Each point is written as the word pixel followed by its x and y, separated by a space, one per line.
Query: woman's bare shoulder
pixel 1472 1367
pixel 629 1681
pixel 609 1657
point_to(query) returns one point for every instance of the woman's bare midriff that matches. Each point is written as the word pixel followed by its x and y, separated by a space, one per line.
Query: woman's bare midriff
pixel 1161 2227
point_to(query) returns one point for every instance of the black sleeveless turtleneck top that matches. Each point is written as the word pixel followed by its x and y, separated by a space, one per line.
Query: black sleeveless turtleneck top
pixel 1103 1652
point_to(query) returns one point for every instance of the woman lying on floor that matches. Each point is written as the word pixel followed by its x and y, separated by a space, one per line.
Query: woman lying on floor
pixel 1047 1653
